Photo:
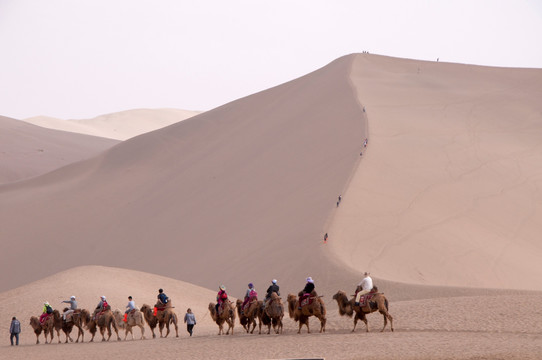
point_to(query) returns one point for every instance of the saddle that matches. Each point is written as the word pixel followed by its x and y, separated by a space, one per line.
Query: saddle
pixel 43 320
pixel 70 316
pixel 250 301
pixel 306 299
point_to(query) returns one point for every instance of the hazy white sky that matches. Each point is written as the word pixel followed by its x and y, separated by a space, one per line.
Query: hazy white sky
pixel 78 59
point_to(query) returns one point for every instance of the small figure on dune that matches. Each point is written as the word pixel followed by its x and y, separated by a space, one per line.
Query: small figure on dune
pixel 325 238
pixel 273 288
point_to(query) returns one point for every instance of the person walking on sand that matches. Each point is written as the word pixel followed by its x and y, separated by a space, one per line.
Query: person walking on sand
pixel 190 321
pixel 325 238
pixel 14 330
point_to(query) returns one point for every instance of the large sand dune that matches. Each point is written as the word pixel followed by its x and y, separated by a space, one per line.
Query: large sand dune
pixel 120 125
pixel 449 191
pixel 443 205
pixel 237 194
pixel 27 150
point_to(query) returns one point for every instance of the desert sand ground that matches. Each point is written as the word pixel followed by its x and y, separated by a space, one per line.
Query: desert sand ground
pixel 442 207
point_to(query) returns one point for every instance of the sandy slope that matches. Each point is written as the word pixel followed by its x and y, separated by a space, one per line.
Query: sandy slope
pixel 482 327
pixel 27 150
pixel 237 194
pixel 449 188
pixel 120 125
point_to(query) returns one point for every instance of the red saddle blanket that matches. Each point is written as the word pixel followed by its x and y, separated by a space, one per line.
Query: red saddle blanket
pixel 306 299
pixel 364 299
pixel 44 318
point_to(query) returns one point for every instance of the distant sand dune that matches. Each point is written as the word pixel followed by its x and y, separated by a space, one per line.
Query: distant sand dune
pixel 120 125
pixel 27 150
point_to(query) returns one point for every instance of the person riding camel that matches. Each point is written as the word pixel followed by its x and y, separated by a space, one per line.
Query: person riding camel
pixel 162 303
pixel 71 310
pixel 364 287
pixel 101 307
pixel 273 288
pixel 131 306
pixel 162 297
pixel 307 290
pixel 221 297
pixel 249 295
pixel 47 310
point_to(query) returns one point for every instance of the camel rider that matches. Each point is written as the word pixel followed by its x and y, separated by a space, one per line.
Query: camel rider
pixel 47 310
pixel 273 288
pixel 221 297
pixel 308 289
pixel 366 285
pixel 250 293
pixel 102 306
pixel 73 307
pixel 131 306
pixel 162 297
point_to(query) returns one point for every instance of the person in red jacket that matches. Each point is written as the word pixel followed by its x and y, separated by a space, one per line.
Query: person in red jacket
pixel 221 297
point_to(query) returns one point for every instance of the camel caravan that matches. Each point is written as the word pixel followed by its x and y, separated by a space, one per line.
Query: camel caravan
pixel 250 311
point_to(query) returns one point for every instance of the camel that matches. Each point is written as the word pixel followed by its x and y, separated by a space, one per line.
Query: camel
pixel 249 316
pixel 316 308
pixel 134 318
pixel 47 327
pixel 227 316
pixel 104 321
pixel 162 318
pixel 149 317
pixel 60 324
pixel 378 302
pixel 274 311
pixel 81 320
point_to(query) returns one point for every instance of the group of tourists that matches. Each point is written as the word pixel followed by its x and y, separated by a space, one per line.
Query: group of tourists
pixel 364 287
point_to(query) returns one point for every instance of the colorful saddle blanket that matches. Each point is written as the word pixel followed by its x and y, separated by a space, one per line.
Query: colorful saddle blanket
pixel 306 299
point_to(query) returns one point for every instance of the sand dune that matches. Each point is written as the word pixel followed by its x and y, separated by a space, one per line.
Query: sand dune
pixel 449 189
pixel 120 125
pixel 442 208
pixel 237 194
pixel 27 150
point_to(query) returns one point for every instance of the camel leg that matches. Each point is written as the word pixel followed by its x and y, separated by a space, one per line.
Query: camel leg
pixel 160 327
pixel 167 329
pixel 323 325
pixel 142 332
pixel 176 329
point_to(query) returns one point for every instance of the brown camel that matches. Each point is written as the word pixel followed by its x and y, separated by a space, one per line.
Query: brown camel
pixel 316 308
pixel 60 324
pixel 274 311
pixel 80 320
pixel 47 327
pixel 135 318
pixel 149 317
pixel 249 316
pixel 378 302
pixel 166 316
pixel 226 316
pixel 103 320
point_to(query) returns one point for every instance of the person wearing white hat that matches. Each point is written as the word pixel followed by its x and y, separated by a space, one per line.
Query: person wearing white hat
pixel 307 290
pixel 273 288
pixel 47 310
pixel 366 285
pixel 73 307
pixel 221 297
pixel 102 306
